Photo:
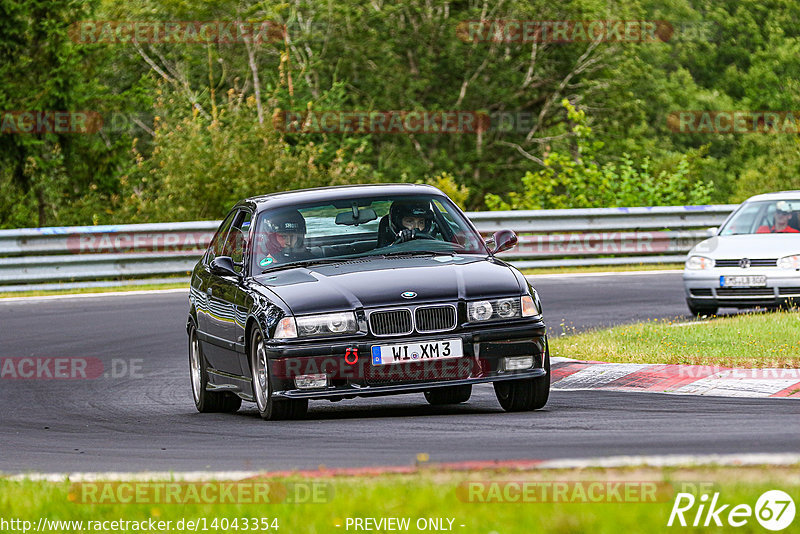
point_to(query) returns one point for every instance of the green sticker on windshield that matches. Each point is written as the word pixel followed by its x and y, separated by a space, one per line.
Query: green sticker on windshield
pixel 266 261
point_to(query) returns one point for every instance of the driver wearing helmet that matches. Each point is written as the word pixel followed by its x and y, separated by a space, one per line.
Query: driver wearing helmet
pixel 282 238
pixel 409 218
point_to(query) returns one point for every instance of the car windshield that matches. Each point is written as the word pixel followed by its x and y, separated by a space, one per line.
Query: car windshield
pixel 765 217
pixel 343 229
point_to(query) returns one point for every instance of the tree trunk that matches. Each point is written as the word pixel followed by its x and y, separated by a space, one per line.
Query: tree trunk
pixel 41 204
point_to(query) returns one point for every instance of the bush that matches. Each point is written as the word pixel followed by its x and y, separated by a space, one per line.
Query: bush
pixel 578 181
pixel 199 167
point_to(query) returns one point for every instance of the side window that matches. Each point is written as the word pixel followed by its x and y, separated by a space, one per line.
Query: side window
pixel 238 239
pixel 218 241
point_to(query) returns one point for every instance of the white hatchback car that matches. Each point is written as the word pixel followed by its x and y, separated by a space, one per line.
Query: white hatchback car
pixel 752 260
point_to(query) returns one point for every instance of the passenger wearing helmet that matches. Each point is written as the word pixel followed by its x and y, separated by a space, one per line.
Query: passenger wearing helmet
pixel 409 218
pixel 282 239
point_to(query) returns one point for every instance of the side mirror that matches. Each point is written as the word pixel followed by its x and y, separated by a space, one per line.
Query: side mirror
pixel 223 266
pixel 713 230
pixel 503 240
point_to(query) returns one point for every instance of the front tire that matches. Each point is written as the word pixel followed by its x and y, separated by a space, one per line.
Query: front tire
pixel 206 401
pixel 268 408
pixel 448 395
pixel 526 394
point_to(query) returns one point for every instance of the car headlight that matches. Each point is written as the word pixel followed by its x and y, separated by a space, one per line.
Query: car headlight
pixel 789 262
pixel 325 324
pixel 508 308
pixel 480 311
pixel 699 263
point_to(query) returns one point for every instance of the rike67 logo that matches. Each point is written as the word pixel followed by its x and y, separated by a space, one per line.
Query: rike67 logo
pixel 774 510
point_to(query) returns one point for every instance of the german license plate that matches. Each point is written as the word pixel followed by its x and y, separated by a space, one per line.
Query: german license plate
pixel 743 281
pixel 416 352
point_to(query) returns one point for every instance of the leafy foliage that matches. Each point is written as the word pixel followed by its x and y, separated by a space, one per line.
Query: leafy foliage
pixel 199 168
pixel 199 116
pixel 578 181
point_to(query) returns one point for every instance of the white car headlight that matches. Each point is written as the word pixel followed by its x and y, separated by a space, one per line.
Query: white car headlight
pixel 789 262
pixel 508 308
pixel 326 324
pixel 480 311
pixel 699 263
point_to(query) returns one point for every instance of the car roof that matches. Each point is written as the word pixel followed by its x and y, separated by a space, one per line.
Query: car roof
pixel 339 192
pixel 778 195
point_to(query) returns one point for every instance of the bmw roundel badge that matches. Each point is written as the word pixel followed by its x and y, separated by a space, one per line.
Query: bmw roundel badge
pixel 408 294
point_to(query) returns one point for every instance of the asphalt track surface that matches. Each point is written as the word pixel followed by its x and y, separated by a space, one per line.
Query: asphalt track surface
pixel 148 422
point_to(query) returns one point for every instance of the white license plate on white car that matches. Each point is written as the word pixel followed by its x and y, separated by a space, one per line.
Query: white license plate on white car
pixel 743 281
pixel 416 352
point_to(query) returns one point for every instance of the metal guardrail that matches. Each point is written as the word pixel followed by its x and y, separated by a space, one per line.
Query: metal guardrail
pixel 81 256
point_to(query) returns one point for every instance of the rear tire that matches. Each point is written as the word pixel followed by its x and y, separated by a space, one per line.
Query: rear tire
pixel 268 408
pixel 699 311
pixel 527 394
pixel 448 395
pixel 207 401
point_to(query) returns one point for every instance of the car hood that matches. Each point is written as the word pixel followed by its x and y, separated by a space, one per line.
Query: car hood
pixel 749 246
pixel 374 282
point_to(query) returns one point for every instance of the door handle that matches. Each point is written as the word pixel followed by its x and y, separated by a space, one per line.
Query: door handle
pixel 209 291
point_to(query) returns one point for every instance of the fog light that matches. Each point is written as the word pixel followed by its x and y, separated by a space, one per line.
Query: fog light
pixel 311 381
pixel 518 363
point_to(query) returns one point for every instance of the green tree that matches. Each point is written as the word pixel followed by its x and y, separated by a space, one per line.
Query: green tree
pixel 50 177
pixel 200 167
pixel 578 181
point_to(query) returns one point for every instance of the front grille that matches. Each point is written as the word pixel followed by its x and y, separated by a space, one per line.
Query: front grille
pixel 435 318
pixel 758 262
pixel 745 292
pixel 390 322
pixel 700 292
pixel 789 291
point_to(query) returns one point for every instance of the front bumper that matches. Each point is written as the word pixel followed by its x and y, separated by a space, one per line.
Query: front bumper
pixel 349 376
pixel 703 288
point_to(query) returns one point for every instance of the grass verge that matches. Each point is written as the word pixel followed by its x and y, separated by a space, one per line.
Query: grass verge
pixel 756 340
pixel 78 291
pixel 604 269
pixel 421 496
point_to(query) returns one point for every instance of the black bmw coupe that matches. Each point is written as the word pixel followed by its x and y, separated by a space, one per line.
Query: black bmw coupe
pixel 358 291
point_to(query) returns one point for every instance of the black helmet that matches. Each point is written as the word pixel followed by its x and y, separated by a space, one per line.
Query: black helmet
pixel 410 208
pixel 287 222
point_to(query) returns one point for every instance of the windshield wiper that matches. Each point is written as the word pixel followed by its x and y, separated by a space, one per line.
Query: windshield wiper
pixel 418 253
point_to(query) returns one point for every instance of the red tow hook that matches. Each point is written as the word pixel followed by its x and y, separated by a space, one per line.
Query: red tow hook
pixel 351 352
